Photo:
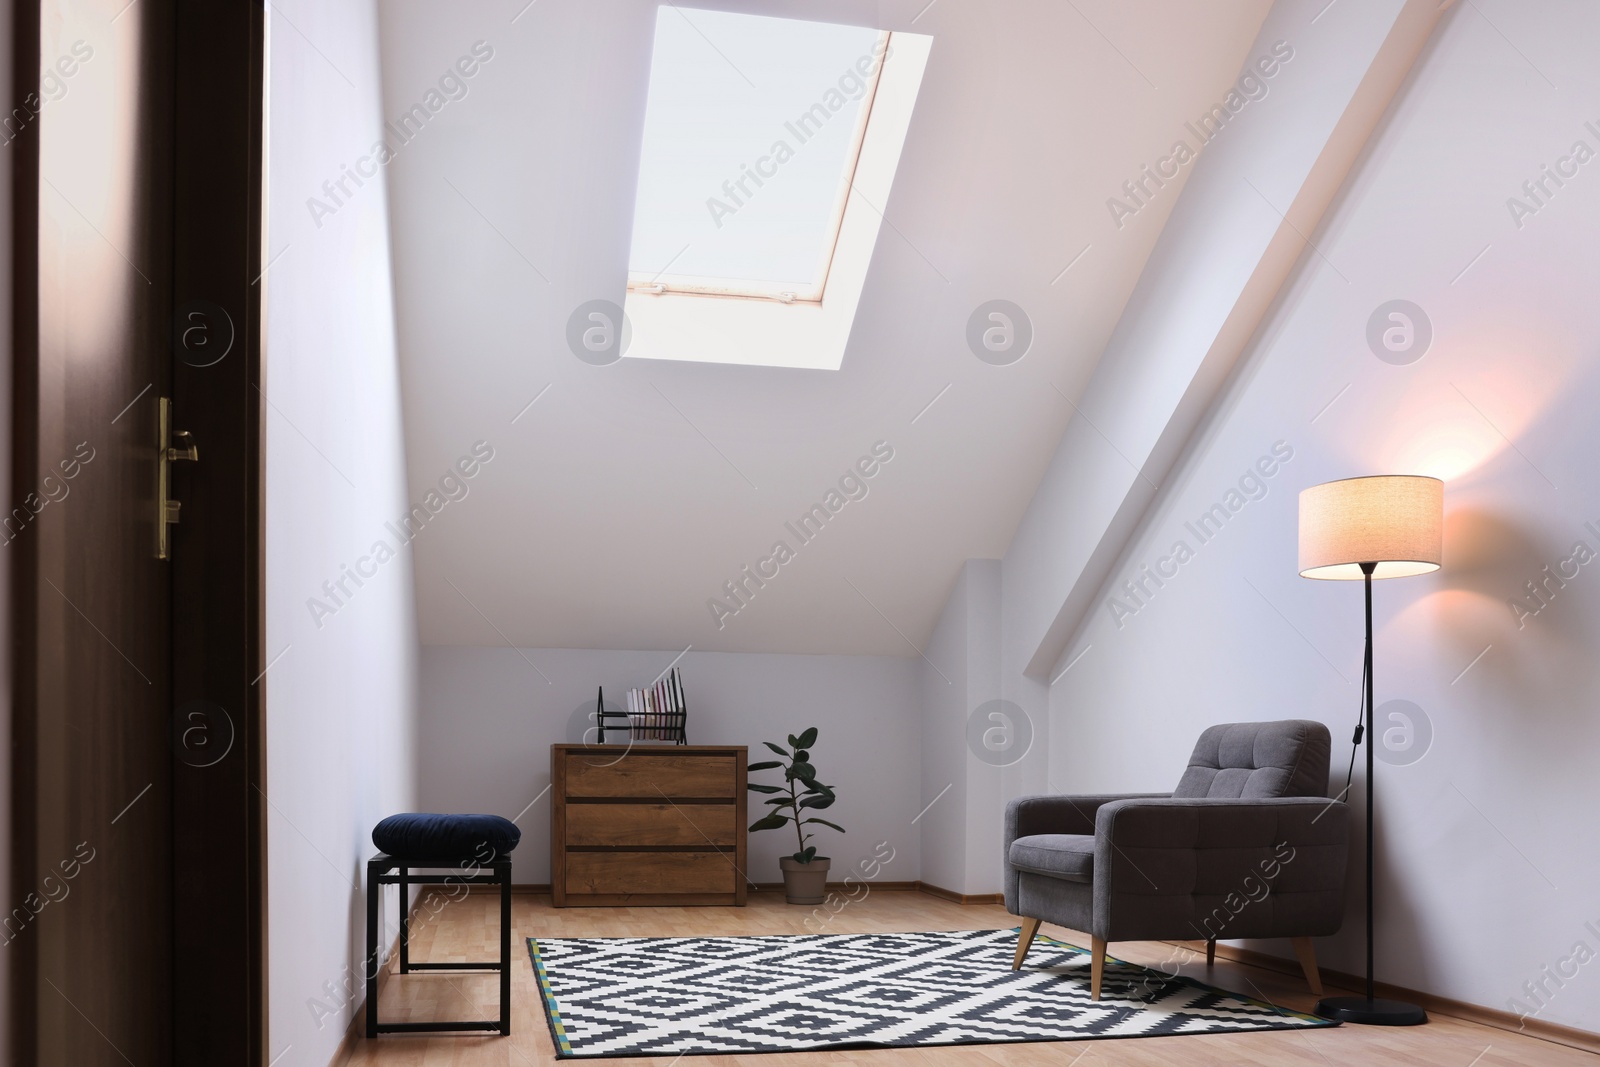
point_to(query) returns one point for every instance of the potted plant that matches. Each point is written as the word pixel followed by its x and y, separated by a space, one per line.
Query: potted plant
pixel 805 874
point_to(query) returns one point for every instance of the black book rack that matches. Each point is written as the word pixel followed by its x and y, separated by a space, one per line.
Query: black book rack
pixel 664 726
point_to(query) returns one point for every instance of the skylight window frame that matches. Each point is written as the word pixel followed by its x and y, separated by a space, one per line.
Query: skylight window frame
pixel 762 334
pixel 662 283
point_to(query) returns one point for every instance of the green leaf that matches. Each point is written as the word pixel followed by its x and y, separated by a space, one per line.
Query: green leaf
pixel 808 738
pixel 757 787
pixel 818 802
pixel 794 742
pixel 765 765
pixel 771 821
pixel 802 755
pixel 802 770
pixel 780 751
pixel 825 822
pixel 806 856
pixel 778 800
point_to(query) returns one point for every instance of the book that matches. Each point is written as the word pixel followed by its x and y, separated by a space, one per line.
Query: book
pixel 659 712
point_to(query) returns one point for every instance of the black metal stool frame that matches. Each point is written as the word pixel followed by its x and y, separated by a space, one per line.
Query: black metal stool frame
pixel 381 871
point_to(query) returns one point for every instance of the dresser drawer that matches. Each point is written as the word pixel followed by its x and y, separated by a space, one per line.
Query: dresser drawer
pixel 648 775
pixel 650 872
pixel 652 824
pixel 647 825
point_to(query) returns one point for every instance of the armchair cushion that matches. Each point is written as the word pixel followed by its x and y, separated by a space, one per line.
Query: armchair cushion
pixel 1245 760
pixel 1027 816
pixel 1067 856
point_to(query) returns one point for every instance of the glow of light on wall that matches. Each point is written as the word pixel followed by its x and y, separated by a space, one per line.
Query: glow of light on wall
pixel 1446 448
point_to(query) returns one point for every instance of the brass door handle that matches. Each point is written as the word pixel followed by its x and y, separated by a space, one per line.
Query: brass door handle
pixel 184 449
pixel 172 446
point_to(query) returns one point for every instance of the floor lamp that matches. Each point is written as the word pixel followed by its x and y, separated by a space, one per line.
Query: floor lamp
pixel 1389 526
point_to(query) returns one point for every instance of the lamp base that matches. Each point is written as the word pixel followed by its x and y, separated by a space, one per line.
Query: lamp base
pixel 1378 1012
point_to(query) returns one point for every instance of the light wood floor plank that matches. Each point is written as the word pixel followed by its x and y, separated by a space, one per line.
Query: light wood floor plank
pixel 468 929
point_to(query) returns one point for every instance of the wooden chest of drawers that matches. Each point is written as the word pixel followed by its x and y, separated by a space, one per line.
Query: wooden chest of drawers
pixel 647 825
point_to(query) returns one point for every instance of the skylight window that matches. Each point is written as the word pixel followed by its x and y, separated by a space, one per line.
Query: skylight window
pixel 769 151
pixel 752 133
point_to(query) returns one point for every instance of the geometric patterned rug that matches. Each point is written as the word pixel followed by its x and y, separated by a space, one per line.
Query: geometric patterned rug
pixel 668 996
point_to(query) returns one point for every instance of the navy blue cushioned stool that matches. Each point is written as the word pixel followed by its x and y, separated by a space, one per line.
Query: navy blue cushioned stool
pixel 421 849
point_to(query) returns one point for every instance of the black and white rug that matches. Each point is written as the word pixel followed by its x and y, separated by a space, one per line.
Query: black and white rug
pixel 643 996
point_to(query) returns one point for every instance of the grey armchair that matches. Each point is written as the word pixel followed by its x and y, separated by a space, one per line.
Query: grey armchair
pixel 1248 845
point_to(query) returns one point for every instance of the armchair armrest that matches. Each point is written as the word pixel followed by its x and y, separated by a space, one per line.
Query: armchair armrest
pixel 1204 868
pixel 1053 814
pixel 1060 814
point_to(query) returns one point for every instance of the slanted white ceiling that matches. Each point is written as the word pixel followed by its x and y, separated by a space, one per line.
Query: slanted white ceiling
pixel 626 496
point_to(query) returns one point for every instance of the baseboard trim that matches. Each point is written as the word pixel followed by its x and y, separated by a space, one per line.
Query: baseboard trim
pixel 1456 1009
pixel 352 1035
pixel 543 888
pixel 356 1032
pixel 961 898
pixel 516 887
pixel 876 887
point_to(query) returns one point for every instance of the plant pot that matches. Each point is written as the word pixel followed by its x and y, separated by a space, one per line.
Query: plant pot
pixel 804 883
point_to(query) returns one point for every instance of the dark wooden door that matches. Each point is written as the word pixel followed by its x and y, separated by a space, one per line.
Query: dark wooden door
pixel 94 762
pixel 138 855
pixel 219 801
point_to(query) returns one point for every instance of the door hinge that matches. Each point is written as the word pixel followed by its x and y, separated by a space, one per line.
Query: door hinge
pixel 173 445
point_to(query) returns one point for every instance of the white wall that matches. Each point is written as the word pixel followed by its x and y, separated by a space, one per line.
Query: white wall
pixel 983 747
pixel 1486 845
pixel 942 692
pixel 340 700
pixel 489 718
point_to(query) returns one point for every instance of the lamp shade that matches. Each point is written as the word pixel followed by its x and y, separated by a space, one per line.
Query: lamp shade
pixel 1394 521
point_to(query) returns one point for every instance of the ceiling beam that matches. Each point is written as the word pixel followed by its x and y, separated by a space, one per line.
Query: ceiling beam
pixel 1249 214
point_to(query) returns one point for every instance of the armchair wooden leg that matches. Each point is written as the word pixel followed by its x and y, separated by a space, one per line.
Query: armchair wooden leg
pixel 1097 967
pixel 1025 941
pixel 1308 963
pixel 1211 952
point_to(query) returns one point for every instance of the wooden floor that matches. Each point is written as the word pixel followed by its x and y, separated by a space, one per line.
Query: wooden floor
pixel 468 929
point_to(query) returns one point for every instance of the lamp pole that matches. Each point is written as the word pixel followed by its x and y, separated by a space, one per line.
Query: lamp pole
pixel 1366 572
pixel 1369 1009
